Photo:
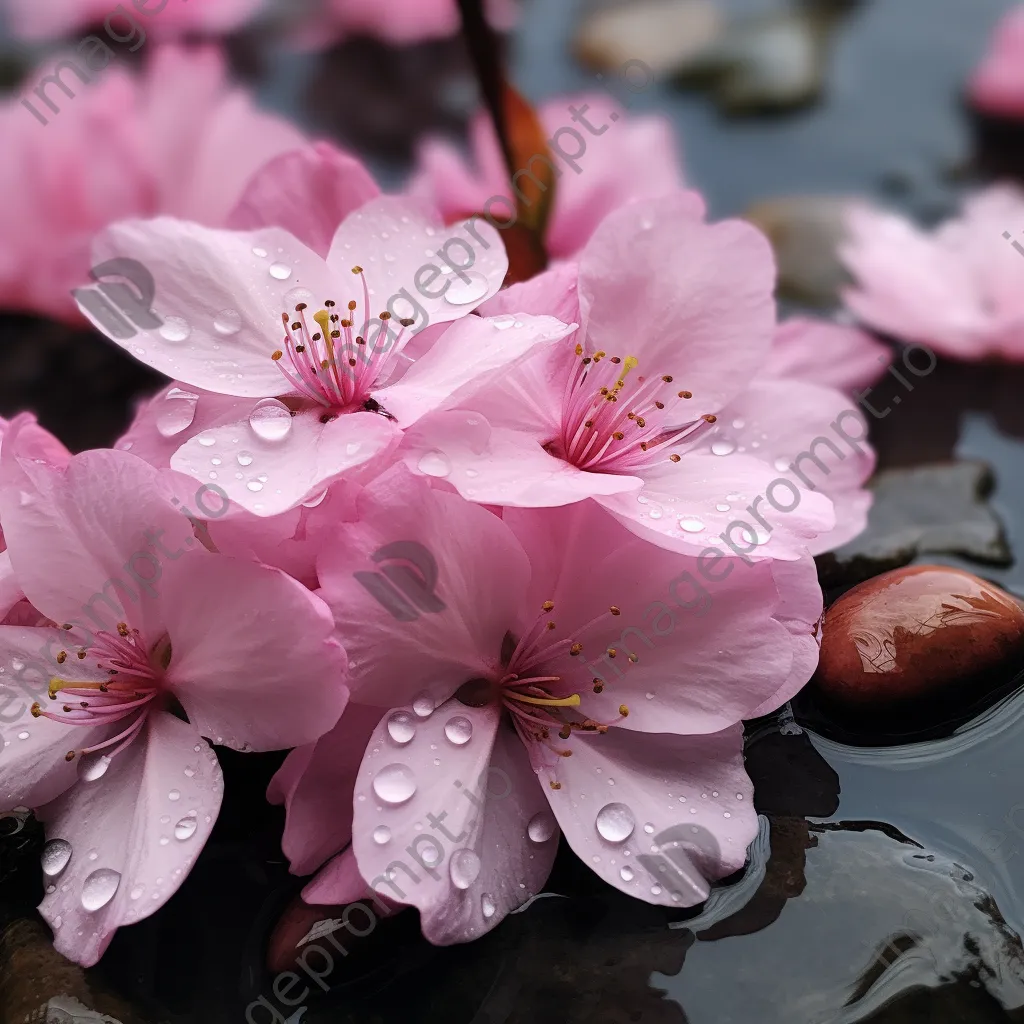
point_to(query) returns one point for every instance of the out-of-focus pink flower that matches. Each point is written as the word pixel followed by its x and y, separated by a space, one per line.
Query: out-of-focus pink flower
pixel 833 355
pixel 54 19
pixel 323 344
pixel 176 139
pixel 399 22
pixel 139 621
pixel 625 158
pixel 997 85
pixel 652 409
pixel 958 289
pixel 564 675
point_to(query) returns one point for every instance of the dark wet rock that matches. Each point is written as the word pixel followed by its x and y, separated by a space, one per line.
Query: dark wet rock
pixel 913 634
pixel 805 232
pixel 928 510
pixel 664 34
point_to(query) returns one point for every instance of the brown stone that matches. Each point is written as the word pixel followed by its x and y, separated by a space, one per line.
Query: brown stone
pixel 918 631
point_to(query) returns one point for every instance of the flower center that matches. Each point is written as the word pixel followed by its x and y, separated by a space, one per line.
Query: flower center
pixel 327 360
pixel 135 676
pixel 613 422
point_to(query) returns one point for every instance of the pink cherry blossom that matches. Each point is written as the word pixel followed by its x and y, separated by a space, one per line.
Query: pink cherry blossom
pixel 140 620
pixel 955 289
pixel 626 158
pixel 175 139
pixel 653 408
pixel 31 20
pixel 997 85
pixel 256 315
pixel 567 676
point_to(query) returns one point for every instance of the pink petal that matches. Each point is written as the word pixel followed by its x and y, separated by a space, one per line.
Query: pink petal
pixel 692 301
pixel 390 237
pixel 471 355
pixel 134 833
pixel 220 301
pixel 445 618
pixel 339 882
pixel 253 662
pixel 316 784
pixel 10 589
pixel 270 476
pixel 308 192
pixel 552 293
pixel 679 816
pixel 829 354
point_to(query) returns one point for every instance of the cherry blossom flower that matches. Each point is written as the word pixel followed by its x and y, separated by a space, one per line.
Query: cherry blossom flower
pixel 142 628
pixel 997 85
pixel 322 344
pixel 625 158
pixel 568 676
pixel 175 139
pixel 653 408
pixel 955 289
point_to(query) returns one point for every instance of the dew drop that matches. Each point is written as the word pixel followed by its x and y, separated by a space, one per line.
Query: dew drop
pixel 244 458
pixel 541 827
pixel 463 292
pixel 435 464
pixel 261 253
pixel 723 448
pixel 626 873
pixel 174 795
pixel 401 727
pixel 56 854
pixel 464 868
pixel 503 322
pixel 177 413
pixel 297 295
pixel 175 328
pixel 99 888
pixel 458 730
pixel 723 507
pixel 137 892
pixel 255 486
pixel 655 513
pixel 93 766
pixel 207 440
pixel 648 828
pixel 394 784
pixel 186 828
pixel 23 735
pixel 615 822
pixel 280 271
pixel 739 424
pixel 691 525
pixel 381 835
pixel 271 420
pixel 782 465
pixel 423 705
pixel 487 906
pixel 227 322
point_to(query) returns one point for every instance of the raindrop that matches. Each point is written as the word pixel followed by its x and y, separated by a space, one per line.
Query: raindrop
pixel 186 828
pixel 503 322
pixel 280 271
pixel 207 440
pixel 316 500
pixel 352 448
pixel 244 458
pixel 691 525
pixel 381 835
pixel 655 513
pixel 463 292
pixel 435 464
pixel 99 888
pixel 401 727
pixel 626 873
pixel 93 766
pixel 615 822
pixel 254 485
pixel 432 856
pixel 782 465
pixel 228 322
pixel 23 735
pixel 541 827
pixel 739 424
pixel 458 730
pixel 423 705
pixel 648 828
pixel 487 905
pixel 297 295
pixel 723 448
pixel 723 507
pixel 177 413
pixel 137 892
pixel 394 784
pixel 175 328
pixel 174 795
pixel 464 868
pixel 56 854
pixel 649 695
pixel 271 420
pixel 262 253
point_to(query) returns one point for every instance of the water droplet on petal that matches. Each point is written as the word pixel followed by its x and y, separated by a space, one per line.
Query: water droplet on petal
pixel 782 465
pixel 271 420
pixel 626 873
pixel 175 328
pixel 93 766
pixel 723 507
pixel 244 458
pixel 207 440
pixel 261 253
pixel 401 727
pixel 381 835
pixel 56 854
pixel 423 705
pixel 280 271
pixel 99 888
pixel 137 892
pixel 504 322
pixel 297 295
pixel 317 499
pixel 174 795
pixel 487 905
pixel 464 867
pixel 691 525
pixel 186 828
pixel 458 730
pixel 541 827
pixel 615 822
pixel 254 486
pixel 24 734
pixel 177 412
pixel 435 464
pixel 723 448
pixel 463 292
pixel 394 784
pixel 227 322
